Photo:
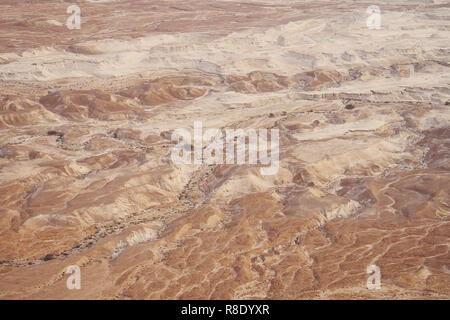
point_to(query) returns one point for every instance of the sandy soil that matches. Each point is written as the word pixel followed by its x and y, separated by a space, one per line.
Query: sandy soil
pixel 86 178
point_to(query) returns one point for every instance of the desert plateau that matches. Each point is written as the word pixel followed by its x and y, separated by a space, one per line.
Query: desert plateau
pixel 88 116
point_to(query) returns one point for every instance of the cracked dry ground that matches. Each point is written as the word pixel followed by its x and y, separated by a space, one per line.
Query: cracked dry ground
pixel 85 139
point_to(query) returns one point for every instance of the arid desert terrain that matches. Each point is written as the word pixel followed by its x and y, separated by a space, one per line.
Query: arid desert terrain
pixel 87 118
